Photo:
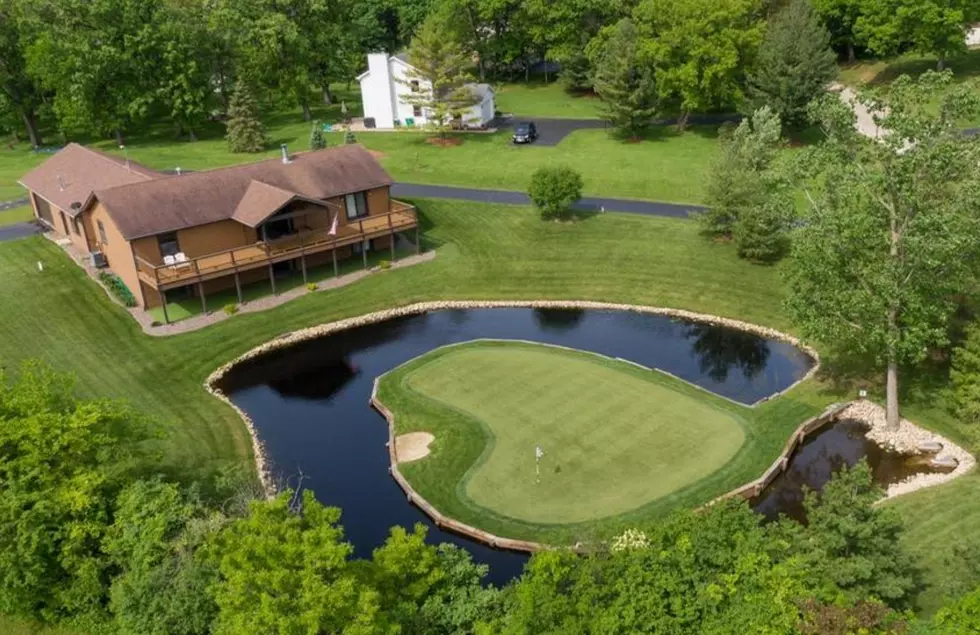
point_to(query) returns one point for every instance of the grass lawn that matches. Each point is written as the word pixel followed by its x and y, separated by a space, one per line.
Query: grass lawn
pixel 540 99
pixel 484 251
pixel 16 215
pixel 510 397
pixel 668 166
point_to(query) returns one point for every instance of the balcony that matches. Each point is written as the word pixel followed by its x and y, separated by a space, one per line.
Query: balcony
pixel 400 217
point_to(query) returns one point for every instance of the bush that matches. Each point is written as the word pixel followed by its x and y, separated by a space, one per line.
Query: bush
pixel 318 141
pixel 118 288
pixel 965 376
pixel 349 137
pixel 554 189
pixel 230 309
pixel 385 264
pixel 312 286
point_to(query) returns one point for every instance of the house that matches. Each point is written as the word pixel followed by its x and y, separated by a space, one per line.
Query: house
pixel 973 35
pixel 382 96
pixel 169 236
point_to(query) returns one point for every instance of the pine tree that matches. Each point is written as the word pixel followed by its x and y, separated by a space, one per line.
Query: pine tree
pixel 438 76
pixel 349 137
pixel 318 141
pixel 625 84
pixel 794 65
pixel 964 377
pixel 245 133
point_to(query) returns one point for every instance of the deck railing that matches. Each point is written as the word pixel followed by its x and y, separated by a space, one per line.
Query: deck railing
pixel 401 216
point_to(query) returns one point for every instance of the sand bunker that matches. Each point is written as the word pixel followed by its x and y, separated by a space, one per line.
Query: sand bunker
pixel 412 446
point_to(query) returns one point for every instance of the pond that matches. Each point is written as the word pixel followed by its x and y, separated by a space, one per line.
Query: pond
pixel 310 403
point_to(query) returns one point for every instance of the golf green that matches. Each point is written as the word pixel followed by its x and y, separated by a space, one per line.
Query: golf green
pixel 613 436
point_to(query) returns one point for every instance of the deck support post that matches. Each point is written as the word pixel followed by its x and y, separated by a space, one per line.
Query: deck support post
pixel 163 303
pixel 364 255
pixel 336 271
pixel 238 287
pixel 418 245
pixel 391 240
pixel 272 278
pixel 204 301
pixel 302 264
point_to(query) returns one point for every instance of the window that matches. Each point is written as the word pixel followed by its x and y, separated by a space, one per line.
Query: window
pixel 74 226
pixel 416 111
pixel 102 238
pixel 64 222
pixel 356 205
pixel 168 244
pixel 415 85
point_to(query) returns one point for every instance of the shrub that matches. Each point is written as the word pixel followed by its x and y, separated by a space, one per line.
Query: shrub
pixel 118 288
pixel 385 264
pixel 230 309
pixel 554 189
pixel 312 286
pixel 349 137
pixel 965 376
pixel 318 141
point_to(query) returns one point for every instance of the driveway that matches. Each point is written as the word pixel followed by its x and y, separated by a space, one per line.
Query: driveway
pixel 509 197
pixel 12 204
pixel 18 230
pixel 552 131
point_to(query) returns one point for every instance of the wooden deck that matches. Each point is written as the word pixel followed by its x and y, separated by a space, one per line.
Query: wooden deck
pixel 401 217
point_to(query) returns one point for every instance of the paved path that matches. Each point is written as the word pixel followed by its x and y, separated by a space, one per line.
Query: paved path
pixel 12 204
pixel 18 230
pixel 864 123
pixel 587 204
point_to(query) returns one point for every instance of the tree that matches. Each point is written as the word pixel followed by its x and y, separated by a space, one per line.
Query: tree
pixel 318 140
pixel 961 617
pixel 553 189
pixel 850 544
pixel 625 84
pixel 438 76
pixel 155 540
pixel 245 133
pixel 794 65
pixel 840 17
pixel 349 137
pixel 748 199
pixel 184 74
pixel 932 27
pixel 18 88
pixel 284 569
pixel 964 376
pixel 885 244
pixel 62 463
pixel 700 50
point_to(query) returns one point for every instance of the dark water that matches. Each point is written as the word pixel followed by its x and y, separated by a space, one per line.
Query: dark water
pixel 841 443
pixel 310 403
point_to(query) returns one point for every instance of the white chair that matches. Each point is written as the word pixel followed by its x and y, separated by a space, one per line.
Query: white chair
pixel 181 258
pixel 170 261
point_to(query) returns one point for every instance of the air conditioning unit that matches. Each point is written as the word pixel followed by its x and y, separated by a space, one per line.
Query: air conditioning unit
pixel 99 260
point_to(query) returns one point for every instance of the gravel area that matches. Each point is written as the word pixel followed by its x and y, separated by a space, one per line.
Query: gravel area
pixel 909 439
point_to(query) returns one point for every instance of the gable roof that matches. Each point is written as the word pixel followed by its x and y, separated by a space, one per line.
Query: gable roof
pixel 178 202
pixel 74 172
pixel 400 57
pixel 262 200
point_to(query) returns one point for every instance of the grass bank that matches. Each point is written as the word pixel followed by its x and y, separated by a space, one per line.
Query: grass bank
pixel 546 99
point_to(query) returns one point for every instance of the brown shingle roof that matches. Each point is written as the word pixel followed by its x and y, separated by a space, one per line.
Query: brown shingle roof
pixel 262 200
pixel 74 172
pixel 178 202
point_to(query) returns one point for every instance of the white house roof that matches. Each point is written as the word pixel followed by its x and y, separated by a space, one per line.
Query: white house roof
pixel 401 57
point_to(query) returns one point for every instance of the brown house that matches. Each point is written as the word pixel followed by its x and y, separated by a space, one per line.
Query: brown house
pixel 194 234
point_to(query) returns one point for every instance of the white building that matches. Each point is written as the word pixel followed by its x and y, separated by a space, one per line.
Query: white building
pixel 381 96
pixel 973 35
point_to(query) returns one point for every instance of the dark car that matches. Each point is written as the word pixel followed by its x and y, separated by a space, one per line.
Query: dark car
pixel 525 132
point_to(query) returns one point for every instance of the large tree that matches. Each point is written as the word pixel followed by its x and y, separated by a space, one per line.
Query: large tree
pixel 931 27
pixel 18 89
pixel 888 237
pixel 438 76
pixel 840 16
pixel 625 83
pixel 700 49
pixel 794 65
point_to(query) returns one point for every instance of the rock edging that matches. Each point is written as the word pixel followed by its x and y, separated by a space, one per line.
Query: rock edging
pixel 262 464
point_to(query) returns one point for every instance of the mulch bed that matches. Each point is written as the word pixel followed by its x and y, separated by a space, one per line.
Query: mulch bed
pixel 445 142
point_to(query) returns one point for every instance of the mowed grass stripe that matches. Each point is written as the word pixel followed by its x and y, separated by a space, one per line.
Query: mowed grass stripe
pixel 613 439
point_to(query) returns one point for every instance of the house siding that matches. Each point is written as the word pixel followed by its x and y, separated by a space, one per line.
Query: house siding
pixel 117 250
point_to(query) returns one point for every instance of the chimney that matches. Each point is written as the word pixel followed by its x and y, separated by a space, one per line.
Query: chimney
pixel 285 155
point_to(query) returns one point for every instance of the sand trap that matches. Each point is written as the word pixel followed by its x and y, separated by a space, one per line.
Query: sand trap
pixel 412 446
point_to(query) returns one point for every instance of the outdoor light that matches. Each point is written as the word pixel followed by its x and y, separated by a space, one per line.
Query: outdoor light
pixel 862 394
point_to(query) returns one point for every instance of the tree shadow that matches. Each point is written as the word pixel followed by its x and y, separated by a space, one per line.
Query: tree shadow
pixel 720 350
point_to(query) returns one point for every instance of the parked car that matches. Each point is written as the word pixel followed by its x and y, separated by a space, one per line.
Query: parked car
pixel 525 132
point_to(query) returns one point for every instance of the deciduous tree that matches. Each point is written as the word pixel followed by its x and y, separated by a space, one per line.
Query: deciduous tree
pixel 553 189
pixel 964 376
pixel 625 83
pixel 794 65
pixel 932 27
pixel 840 17
pixel 19 91
pixel 886 242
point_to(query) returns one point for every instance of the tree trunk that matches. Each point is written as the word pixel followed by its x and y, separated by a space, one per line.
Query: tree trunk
pixel 851 56
pixel 327 97
pixel 682 120
pixel 891 380
pixel 191 136
pixel 891 391
pixel 307 115
pixel 482 67
pixel 119 136
pixel 30 123
pixel 941 62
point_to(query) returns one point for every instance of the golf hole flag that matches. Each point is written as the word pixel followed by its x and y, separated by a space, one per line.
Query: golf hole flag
pixel 538 453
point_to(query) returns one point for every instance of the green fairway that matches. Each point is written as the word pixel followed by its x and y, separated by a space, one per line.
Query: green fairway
pixel 539 99
pixel 614 437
